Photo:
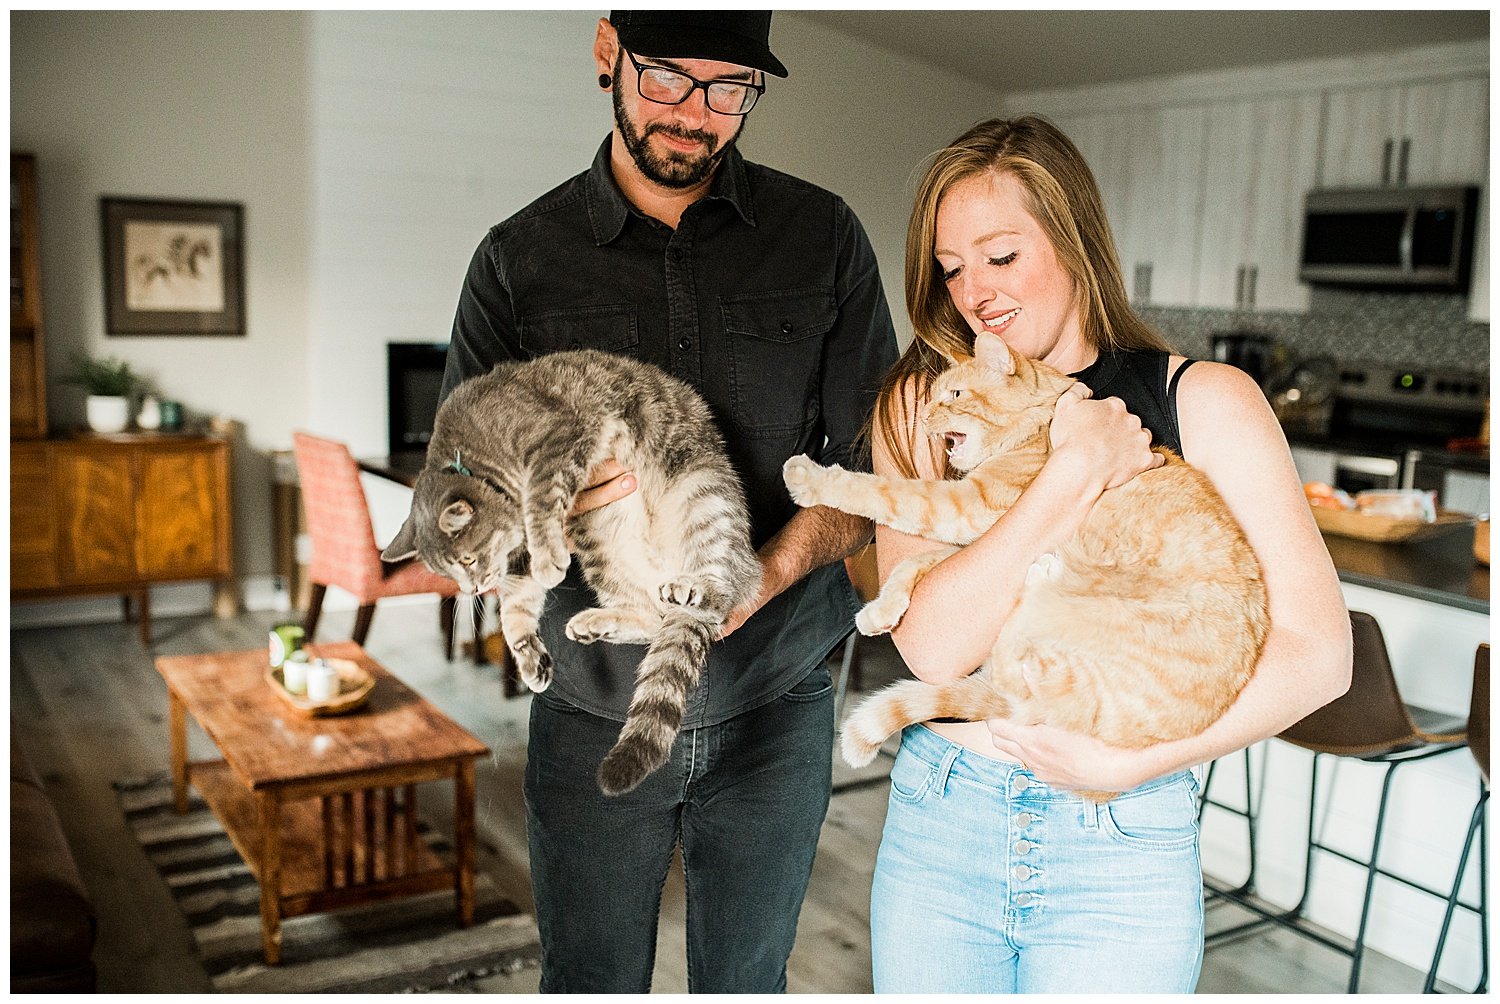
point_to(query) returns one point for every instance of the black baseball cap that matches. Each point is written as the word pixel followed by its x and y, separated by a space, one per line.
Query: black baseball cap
pixel 729 36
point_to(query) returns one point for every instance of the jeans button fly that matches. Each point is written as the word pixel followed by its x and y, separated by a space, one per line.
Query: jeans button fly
pixel 1020 784
pixel 1022 846
pixel 1023 899
pixel 1023 820
pixel 1022 872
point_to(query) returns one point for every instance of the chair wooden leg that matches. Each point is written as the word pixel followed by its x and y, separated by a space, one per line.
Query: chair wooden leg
pixel 448 616
pixel 314 611
pixel 144 598
pixel 362 619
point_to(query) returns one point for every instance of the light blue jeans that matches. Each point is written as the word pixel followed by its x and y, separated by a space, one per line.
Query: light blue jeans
pixel 988 881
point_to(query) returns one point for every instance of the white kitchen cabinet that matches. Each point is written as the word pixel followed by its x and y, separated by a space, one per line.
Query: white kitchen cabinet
pixel 1428 133
pixel 1148 163
pixel 1260 159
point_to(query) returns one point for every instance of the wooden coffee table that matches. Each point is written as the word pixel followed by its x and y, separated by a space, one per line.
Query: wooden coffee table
pixel 323 809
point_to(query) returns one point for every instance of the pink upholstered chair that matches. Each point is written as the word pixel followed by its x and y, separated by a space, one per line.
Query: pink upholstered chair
pixel 344 553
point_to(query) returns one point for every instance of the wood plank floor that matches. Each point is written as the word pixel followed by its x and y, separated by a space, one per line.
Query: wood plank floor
pixel 89 707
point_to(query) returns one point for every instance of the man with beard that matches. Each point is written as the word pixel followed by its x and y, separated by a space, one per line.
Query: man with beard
pixel 760 290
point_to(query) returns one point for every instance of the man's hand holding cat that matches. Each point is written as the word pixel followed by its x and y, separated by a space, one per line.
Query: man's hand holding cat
pixel 609 482
pixel 1101 438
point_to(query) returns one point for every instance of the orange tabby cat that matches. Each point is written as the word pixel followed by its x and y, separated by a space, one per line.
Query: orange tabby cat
pixel 1141 629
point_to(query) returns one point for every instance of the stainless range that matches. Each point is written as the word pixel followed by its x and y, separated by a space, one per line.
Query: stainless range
pixel 1384 427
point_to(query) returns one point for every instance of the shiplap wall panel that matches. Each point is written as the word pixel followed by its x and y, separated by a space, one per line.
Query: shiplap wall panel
pixel 427 129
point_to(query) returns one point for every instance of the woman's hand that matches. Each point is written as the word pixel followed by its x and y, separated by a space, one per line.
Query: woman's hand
pixel 1101 437
pixel 1072 760
pixel 608 483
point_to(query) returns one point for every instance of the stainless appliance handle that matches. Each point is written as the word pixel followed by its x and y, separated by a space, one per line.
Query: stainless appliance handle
pixel 1385 162
pixel 1239 287
pixel 1408 238
pixel 1405 156
pixel 1250 297
pixel 1380 467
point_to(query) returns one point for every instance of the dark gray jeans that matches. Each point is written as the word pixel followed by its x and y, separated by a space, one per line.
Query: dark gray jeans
pixel 746 798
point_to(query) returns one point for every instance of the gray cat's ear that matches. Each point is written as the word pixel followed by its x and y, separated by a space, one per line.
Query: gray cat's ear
pixel 991 352
pixel 403 545
pixel 456 516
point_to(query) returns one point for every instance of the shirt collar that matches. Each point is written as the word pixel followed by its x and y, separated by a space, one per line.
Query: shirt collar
pixel 608 208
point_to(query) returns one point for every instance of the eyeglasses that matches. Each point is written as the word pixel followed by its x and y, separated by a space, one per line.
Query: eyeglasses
pixel 669 87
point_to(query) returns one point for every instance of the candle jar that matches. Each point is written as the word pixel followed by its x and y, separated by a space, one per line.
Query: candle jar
pixel 294 673
pixel 322 681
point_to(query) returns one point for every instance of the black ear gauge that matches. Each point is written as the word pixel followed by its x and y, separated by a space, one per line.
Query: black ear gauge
pixel 605 80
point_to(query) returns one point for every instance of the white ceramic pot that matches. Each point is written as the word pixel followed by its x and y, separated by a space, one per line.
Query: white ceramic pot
pixel 108 414
pixel 149 417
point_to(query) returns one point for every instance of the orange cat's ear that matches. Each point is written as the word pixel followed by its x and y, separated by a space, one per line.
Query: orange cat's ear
pixel 992 353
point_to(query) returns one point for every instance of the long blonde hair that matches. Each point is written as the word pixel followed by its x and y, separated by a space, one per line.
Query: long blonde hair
pixel 1064 199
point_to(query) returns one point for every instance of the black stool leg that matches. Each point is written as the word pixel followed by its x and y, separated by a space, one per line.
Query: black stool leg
pixel 1476 824
pixel 1484 896
pixel 1364 913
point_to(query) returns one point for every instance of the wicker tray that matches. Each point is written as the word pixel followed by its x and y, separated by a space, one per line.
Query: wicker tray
pixel 354 687
pixel 1344 523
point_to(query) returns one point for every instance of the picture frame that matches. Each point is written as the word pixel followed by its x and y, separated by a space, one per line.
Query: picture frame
pixel 173 267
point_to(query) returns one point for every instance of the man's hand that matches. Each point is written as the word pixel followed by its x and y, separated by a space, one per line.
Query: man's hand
pixel 609 482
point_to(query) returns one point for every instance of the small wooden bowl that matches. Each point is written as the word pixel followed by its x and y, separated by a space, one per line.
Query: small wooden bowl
pixel 354 687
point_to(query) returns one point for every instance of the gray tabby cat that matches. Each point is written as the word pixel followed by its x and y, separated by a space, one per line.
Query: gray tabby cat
pixel 509 452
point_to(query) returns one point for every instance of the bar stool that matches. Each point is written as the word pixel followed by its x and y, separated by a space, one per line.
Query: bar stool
pixel 1479 745
pixel 1373 724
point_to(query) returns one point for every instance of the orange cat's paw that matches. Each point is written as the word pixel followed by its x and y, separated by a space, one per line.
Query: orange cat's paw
pixel 881 615
pixel 804 479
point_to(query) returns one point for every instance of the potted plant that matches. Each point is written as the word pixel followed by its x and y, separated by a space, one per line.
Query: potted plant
pixel 109 384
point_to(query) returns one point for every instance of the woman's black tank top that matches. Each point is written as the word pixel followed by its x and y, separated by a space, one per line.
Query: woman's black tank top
pixel 1139 378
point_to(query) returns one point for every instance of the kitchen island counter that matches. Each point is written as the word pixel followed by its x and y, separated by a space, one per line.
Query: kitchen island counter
pixel 1439 569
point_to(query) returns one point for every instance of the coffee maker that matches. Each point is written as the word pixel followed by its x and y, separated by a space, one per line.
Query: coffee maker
pixel 1249 350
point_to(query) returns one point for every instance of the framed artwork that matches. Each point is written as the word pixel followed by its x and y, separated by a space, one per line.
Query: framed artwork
pixel 173 268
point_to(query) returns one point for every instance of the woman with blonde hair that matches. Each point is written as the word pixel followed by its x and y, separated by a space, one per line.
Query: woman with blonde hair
pixel 992 875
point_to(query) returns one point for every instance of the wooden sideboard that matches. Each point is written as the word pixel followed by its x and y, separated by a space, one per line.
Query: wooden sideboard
pixel 99 514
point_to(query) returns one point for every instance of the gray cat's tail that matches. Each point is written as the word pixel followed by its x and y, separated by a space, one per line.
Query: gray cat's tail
pixel 671 667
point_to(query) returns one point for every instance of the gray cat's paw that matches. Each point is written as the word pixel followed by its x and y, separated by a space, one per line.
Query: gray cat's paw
pixel 804 479
pixel 533 662
pixel 603 624
pixel 589 626
pixel 684 592
pixel 550 568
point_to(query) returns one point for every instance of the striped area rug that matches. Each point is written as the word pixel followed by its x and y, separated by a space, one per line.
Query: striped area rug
pixel 407 945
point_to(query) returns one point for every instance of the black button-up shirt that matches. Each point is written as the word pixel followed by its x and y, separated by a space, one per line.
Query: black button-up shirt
pixel 766 298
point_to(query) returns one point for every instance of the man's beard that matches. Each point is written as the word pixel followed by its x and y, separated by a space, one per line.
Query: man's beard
pixel 672 170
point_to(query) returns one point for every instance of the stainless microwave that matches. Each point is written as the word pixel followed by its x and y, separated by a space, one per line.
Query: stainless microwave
pixel 1389 238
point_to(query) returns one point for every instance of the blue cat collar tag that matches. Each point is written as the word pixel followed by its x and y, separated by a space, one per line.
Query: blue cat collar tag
pixel 458 465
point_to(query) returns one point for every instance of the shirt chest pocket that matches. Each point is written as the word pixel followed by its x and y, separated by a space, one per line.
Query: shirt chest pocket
pixel 609 327
pixel 775 356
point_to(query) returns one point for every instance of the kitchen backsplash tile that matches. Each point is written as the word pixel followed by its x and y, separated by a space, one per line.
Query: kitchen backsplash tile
pixel 1403 329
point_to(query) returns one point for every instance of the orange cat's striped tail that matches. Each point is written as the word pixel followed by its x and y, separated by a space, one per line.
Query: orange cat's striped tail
pixel 973 698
